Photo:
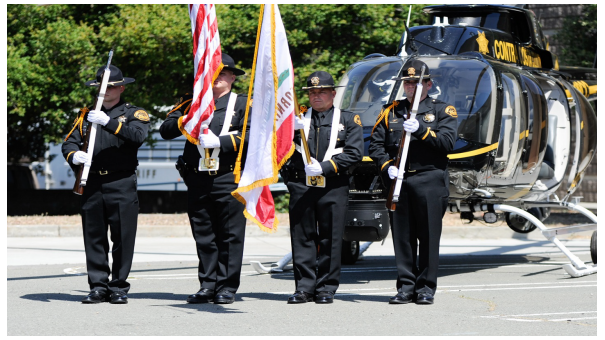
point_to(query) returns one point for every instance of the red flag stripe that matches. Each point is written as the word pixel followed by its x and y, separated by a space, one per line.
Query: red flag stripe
pixel 207 60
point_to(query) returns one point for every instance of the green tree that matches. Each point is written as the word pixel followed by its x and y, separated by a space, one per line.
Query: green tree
pixel 579 38
pixel 321 37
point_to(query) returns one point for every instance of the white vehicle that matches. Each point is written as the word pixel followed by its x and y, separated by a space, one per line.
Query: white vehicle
pixel 156 170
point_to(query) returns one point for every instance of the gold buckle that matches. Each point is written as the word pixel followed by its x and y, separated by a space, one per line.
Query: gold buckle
pixel 210 173
pixel 103 172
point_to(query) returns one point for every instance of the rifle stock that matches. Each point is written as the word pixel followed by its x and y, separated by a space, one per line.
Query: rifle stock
pixel 78 188
pixel 396 183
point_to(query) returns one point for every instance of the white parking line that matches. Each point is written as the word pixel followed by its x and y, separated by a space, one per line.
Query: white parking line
pixel 541 317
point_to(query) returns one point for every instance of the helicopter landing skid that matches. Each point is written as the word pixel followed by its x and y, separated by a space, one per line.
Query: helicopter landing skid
pixel 277 267
pixel 577 267
pixel 282 265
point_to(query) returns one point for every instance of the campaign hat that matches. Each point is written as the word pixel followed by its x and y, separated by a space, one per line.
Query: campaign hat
pixel 320 80
pixel 229 64
pixel 115 77
pixel 412 69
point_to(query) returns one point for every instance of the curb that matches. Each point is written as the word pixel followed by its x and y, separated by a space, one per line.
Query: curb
pixel 449 232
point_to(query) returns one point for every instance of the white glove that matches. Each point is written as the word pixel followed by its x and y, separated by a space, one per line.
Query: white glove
pixel 81 157
pixel 209 140
pixel 393 171
pixel 298 123
pixel 98 117
pixel 411 125
pixel 313 169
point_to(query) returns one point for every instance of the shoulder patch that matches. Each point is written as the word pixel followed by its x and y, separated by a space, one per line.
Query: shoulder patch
pixel 357 120
pixel 451 110
pixel 141 115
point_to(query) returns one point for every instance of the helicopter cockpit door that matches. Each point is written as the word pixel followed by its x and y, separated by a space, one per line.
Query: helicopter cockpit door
pixel 536 133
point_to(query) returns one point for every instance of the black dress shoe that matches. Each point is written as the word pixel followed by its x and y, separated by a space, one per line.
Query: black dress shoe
pixel 400 298
pixel 324 297
pixel 224 297
pixel 95 296
pixel 300 297
pixel 118 298
pixel 425 299
pixel 204 295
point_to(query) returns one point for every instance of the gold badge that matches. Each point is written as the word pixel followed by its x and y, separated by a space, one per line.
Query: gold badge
pixel 451 110
pixel 411 71
pixel 428 118
pixel 142 115
pixel 315 81
pixel 122 119
pixel 483 43
pixel 357 120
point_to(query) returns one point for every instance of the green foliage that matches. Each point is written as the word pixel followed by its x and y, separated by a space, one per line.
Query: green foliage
pixel 282 202
pixel 321 37
pixel 579 38
pixel 52 50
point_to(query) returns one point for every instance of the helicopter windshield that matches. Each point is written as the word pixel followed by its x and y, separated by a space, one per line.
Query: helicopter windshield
pixel 368 86
pixel 468 84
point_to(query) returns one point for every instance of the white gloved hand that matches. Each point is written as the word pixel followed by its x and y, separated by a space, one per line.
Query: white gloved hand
pixel 313 169
pixel 393 171
pixel 411 125
pixel 209 140
pixel 81 157
pixel 98 117
pixel 298 123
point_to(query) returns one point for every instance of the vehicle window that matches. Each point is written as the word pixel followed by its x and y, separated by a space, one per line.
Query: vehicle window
pixel 367 87
pixel 468 85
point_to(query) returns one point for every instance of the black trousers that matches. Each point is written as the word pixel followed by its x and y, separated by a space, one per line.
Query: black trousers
pixel 110 200
pixel 416 229
pixel 317 217
pixel 218 226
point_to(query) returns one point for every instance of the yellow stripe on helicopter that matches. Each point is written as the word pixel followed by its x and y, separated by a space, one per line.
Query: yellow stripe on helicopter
pixel 473 152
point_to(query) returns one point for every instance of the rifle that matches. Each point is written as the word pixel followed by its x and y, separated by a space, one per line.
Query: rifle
pixel 91 134
pixel 402 154
pixel 311 180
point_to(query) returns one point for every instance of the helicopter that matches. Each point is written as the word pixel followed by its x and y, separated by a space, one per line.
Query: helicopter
pixel 525 123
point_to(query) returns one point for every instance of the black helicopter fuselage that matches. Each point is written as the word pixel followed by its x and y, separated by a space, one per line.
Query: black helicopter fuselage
pixel 522 126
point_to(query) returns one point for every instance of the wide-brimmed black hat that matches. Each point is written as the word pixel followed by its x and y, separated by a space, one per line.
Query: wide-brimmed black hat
pixel 412 70
pixel 319 80
pixel 229 64
pixel 115 77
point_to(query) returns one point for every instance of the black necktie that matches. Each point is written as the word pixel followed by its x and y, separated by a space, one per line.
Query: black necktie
pixel 313 135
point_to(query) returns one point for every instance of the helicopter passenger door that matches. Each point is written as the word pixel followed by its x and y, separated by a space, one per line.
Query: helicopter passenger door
pixel 536 133
pixel 510 145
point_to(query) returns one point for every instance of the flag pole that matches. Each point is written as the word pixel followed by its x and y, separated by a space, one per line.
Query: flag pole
pixel 238 161
pixel 303 138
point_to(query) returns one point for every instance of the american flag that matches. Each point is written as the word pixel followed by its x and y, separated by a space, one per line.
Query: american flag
pixel 206 65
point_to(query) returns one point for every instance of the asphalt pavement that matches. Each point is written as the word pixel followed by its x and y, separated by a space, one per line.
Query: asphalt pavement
pixel 490 284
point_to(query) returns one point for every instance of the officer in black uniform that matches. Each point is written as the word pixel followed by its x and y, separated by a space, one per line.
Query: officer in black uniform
pixel 216 217
pixel 424 191
pixel 110 195
pixel 319 190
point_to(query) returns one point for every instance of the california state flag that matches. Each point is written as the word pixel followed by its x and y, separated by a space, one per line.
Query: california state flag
pixel 272 122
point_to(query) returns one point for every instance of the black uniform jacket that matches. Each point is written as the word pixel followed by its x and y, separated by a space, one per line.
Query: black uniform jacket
pixel 350 138
pixel 429 145
pixel 229 143
pixel 117 143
